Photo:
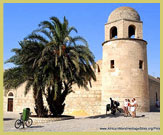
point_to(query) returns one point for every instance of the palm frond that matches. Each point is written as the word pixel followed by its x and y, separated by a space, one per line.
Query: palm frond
pixel 36 37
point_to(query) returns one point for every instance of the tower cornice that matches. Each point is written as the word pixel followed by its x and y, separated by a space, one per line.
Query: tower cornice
pixel 124 20
pixel 133 39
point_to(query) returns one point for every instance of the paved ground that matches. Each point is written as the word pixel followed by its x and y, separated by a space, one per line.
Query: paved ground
pixel 144 122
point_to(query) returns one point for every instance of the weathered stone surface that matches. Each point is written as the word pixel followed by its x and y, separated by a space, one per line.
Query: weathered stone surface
pixel 124 13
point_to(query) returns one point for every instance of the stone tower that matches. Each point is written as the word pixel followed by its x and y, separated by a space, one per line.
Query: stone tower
pixel 124 67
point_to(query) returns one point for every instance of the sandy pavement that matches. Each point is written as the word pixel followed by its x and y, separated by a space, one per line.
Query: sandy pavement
pixel 149 121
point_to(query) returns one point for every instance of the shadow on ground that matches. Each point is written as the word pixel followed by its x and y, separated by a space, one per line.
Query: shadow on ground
pixel 155 109
pixel 140 116
pixel 36 126
pixel 7 119
pixel 25 128
pixel 112 116
pixel 106 116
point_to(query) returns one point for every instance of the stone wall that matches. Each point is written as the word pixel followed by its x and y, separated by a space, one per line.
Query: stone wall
pixel 126 79
pixel 85 102
pixel 154 87
pixel 80 103
pixel 20 101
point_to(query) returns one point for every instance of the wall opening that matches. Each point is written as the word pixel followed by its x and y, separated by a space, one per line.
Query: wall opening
pixel 131 31
pixel 10 105
pixel 157 101
pixel 112 64
pixel 156 96
pixel 140 64
pixel 98 69
pixel 10 102
pixel 113 32
pixel 10 94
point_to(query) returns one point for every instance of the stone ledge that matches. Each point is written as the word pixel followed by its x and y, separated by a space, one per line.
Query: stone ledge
pixel 37 120
pixel 129 39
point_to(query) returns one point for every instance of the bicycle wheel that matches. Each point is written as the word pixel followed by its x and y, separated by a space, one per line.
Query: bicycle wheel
pixel 18 123
pixel 29 122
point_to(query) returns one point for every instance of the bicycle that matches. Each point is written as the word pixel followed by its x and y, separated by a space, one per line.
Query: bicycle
pixel 23 120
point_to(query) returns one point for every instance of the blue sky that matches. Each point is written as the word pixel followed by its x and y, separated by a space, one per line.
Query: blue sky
pixel 21 19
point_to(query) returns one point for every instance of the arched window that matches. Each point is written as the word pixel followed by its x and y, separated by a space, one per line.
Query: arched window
pixel 131 31
pixel 10 94
pixel 113 32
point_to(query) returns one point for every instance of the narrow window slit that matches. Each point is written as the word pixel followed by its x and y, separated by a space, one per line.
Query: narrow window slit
pixel 140 64
pixel 112 64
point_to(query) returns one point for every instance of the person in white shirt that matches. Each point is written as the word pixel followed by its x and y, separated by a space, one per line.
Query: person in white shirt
pixel 134 100
pixel 125 107
pixel 133 108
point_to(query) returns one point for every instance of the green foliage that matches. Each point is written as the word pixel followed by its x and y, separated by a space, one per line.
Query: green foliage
pixel 52 60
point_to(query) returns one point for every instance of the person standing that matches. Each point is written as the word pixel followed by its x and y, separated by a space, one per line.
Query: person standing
pixel 129 108
pixel 136 105
pixel 125 107
pixel 133 108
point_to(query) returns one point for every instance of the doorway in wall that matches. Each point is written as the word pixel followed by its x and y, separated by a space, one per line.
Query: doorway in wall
pixel 10 102
pixel 10 105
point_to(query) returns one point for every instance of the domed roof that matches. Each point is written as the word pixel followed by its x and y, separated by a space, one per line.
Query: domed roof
pixel 124 13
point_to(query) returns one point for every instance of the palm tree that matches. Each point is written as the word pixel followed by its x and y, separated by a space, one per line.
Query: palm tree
pixel 51 61
pixel 25 71
pixel 65 60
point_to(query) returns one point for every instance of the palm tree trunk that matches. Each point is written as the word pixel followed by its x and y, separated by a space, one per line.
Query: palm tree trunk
pixel 56 106
pixel 39 104
pixel 50 101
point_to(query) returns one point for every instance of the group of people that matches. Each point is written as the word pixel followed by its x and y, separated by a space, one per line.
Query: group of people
pixel 130 107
